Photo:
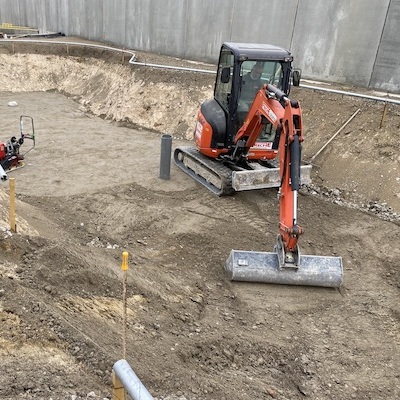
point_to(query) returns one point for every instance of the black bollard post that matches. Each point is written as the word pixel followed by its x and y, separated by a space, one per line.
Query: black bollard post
pixel 165 159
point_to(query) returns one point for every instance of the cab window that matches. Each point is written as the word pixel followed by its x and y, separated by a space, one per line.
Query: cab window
pixel 223 85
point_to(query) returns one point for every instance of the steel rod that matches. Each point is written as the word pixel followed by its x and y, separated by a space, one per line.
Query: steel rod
pixel 333 137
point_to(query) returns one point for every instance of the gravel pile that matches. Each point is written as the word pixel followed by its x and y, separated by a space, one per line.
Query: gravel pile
pixel 336 196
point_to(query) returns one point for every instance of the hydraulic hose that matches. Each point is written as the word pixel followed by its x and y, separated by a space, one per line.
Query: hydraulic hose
pixel 295 156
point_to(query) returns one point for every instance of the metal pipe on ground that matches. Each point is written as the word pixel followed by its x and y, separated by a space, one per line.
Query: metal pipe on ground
pixel 352 94
pixel 333 137
pixel 130 381
pixel 133 61
pixel 165 158
pixel 144 64
pixel 81 44
pixel 321 89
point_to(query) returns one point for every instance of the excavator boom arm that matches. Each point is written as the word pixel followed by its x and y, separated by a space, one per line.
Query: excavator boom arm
pixel 263 106
pixel 273 105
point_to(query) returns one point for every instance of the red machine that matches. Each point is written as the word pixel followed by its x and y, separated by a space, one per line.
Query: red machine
pixel 10 156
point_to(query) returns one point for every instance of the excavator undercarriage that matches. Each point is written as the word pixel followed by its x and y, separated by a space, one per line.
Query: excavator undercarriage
pixel 211 173
pixel 225 180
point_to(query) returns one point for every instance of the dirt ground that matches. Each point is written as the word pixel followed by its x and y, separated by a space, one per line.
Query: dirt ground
pixel 91 190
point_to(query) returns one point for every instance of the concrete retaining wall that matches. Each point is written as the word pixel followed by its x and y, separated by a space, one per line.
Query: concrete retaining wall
pixel 355 42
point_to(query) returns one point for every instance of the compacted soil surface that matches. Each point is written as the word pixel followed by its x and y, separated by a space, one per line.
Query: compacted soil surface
pixel 90 190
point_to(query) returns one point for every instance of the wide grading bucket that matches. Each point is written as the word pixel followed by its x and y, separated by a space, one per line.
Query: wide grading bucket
pixel 253 266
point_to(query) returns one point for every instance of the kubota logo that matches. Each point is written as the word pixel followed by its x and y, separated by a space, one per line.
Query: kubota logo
pixel 263 145
pixel 199 129
pixel 269 112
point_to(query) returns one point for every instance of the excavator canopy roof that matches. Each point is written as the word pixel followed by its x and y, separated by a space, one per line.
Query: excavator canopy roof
pixel 257 51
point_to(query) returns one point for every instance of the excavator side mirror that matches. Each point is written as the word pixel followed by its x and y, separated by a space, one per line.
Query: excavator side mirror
pixel 225 74
pixel 296 75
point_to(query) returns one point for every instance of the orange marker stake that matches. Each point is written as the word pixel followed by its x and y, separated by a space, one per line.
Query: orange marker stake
pixel 124 267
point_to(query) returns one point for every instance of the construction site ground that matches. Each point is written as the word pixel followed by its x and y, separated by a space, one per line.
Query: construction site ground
pixel 91 190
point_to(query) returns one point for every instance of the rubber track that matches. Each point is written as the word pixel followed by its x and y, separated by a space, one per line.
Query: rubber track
pixel 210 166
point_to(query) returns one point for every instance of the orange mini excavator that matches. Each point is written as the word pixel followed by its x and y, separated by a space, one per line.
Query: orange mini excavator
pixel 240 134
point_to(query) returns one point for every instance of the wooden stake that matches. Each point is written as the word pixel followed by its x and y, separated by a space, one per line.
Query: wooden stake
pixel 124 267
pixel 13 225
pixel 118 388
pixel 383 115
pixel 333 137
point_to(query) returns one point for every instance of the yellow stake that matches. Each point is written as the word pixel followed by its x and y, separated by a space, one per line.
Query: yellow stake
pixel 13 225
pixel 124 265
pixel 118 388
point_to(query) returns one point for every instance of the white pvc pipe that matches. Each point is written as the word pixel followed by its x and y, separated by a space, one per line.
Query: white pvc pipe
pixel 353 94
pixel 363 96
pixel 206 71
pixel 131 382
pixel 99 46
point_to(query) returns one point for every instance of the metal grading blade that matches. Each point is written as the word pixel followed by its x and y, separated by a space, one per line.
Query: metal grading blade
pixel 264 178
pixel 253 266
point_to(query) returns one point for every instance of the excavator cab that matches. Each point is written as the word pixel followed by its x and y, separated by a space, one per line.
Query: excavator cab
pixel 234 91
pixel 236 85
pixel 253 75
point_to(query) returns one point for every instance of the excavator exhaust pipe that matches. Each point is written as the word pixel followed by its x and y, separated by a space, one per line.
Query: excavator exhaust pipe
pixel 252 266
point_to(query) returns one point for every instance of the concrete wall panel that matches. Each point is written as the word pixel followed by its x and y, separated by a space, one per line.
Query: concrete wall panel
pixel 337 39
pixel 52 15
pixel 264 21
pixel 29 12
pixel 138 16
pixel 75 14
pixel 9 12
pixel 88 17
pixel 167 26
pixel 156 26
pixel 207 26
pixel 40 10
pixel 355 42
pixel 23 14
pixel 114 22
pixel 386 73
